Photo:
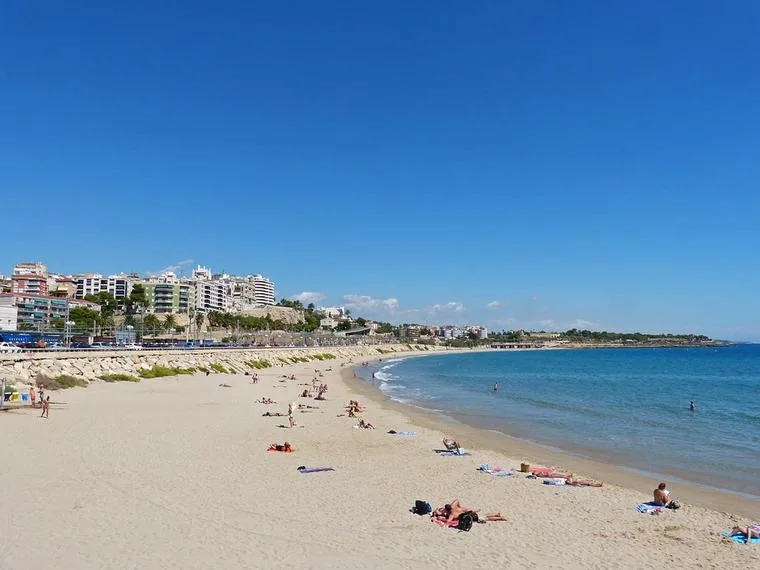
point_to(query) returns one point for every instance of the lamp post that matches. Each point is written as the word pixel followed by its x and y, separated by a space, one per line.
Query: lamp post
pixel 68 324
pixel 131 334
pixel 171 336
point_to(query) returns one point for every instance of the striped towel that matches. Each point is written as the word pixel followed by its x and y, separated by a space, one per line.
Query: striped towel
pixel 649 508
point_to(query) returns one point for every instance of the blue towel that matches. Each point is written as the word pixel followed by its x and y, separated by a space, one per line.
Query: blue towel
pixel 741 538
pixel 407 433
pixel 649 507
pixel 453 454
pixel 315 469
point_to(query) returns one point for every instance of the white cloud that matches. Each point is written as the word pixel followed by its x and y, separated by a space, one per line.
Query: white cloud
pixel 365 302
pixel 173 268
pixel 494 305
pixel 307 297
pixel 450 307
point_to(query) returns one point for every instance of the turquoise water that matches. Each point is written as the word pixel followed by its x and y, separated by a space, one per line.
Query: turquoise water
pixel 627 406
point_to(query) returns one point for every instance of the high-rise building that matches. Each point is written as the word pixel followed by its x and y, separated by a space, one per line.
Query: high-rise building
pixel 30 278
pixel 120 286
pixel 40 311
pixel 263 291
pixel 170 297
pixel 212 295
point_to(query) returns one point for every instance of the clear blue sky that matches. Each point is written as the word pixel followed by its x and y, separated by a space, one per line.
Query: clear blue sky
pixel 592 163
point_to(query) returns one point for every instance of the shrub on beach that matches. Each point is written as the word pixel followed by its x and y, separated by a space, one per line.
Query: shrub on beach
pixel 59 382
pixel 159 371
pixel 202 369
pixel 218 368
pixel 118 378
pixel 258 364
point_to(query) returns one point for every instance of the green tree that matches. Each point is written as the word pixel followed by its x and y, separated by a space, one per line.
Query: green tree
pixel 361 321
pixel 84 318
pixel 384 328
pixel 138 299
pixel 106 301
pixel 170 322
pixel 199 320
pixel 344 326
pixel 151 324
pixel 25 327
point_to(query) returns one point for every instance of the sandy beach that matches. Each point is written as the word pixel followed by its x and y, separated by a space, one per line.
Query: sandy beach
pixel 174 473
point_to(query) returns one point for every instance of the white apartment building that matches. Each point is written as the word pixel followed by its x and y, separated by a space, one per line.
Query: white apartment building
pixel 333 312
pixel 263 291
pixel 8 318
pixel 212 296
pixel 120 286
pixel 202 273
pixel 31 268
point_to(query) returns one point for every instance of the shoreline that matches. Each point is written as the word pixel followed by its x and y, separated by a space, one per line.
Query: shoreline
pixel 179 466
pixel 518 450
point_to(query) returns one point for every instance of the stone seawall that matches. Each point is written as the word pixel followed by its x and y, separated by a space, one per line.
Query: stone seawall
pixel 24 368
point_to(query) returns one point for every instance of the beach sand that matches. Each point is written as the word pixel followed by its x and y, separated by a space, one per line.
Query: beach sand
pixel 174 473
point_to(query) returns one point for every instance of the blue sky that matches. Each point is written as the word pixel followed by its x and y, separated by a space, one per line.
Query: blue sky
pixel 590 164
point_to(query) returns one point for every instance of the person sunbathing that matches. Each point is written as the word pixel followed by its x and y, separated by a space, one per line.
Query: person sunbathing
pixel 582 482
pixel 452 511
pixel 286 447
pixel 266 401
pixel 750 531
pixel 365 425
pixel 452 445
pixel 270 414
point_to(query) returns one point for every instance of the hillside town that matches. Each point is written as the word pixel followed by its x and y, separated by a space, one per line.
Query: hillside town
pixel 202 307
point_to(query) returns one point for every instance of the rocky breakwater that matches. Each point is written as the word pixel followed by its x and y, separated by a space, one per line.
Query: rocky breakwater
pixel 91 366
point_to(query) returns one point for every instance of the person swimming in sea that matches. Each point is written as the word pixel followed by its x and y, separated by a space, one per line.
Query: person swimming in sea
pixel 496 387
pixel 692 406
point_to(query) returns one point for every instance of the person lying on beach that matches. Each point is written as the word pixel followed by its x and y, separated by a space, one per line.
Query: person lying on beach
pixel 365 425
pixel 285 447
pixel 454 510
pixel 582 482
pixel 266 401
pixel 270 414
pixel 750 531
pixel 225 386
pixel 304 406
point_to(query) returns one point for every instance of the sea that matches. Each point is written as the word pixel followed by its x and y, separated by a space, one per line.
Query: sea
pixel 627 406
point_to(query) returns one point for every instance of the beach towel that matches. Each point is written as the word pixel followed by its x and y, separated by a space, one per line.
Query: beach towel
pixel 315 469
pixel 741 538
pixel 556 481
pixel 496 470
pixel 442 523
pixel 649 507
pixel 406 433
pixel 453 453
pixel 542 471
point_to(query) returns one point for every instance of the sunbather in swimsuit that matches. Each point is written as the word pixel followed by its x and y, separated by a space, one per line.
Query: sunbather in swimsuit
pixel 750 531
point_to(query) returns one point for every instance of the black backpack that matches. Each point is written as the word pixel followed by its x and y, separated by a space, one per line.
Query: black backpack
pixel 422 508
pixel 466 520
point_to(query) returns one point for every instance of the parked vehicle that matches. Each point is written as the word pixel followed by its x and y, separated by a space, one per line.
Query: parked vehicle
pixel 9 348
pixel 132 347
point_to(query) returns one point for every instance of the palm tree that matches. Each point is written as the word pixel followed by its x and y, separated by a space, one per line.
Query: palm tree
pixel 170 322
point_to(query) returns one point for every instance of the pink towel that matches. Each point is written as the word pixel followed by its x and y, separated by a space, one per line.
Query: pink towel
pixel 542 471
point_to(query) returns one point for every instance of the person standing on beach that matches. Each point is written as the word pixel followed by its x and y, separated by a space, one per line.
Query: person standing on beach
pixel 46 408
pixel 291 407
pixel 33 396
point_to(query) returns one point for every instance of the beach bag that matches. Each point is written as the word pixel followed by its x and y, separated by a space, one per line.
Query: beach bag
pixel 465 521
pixel 422 508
